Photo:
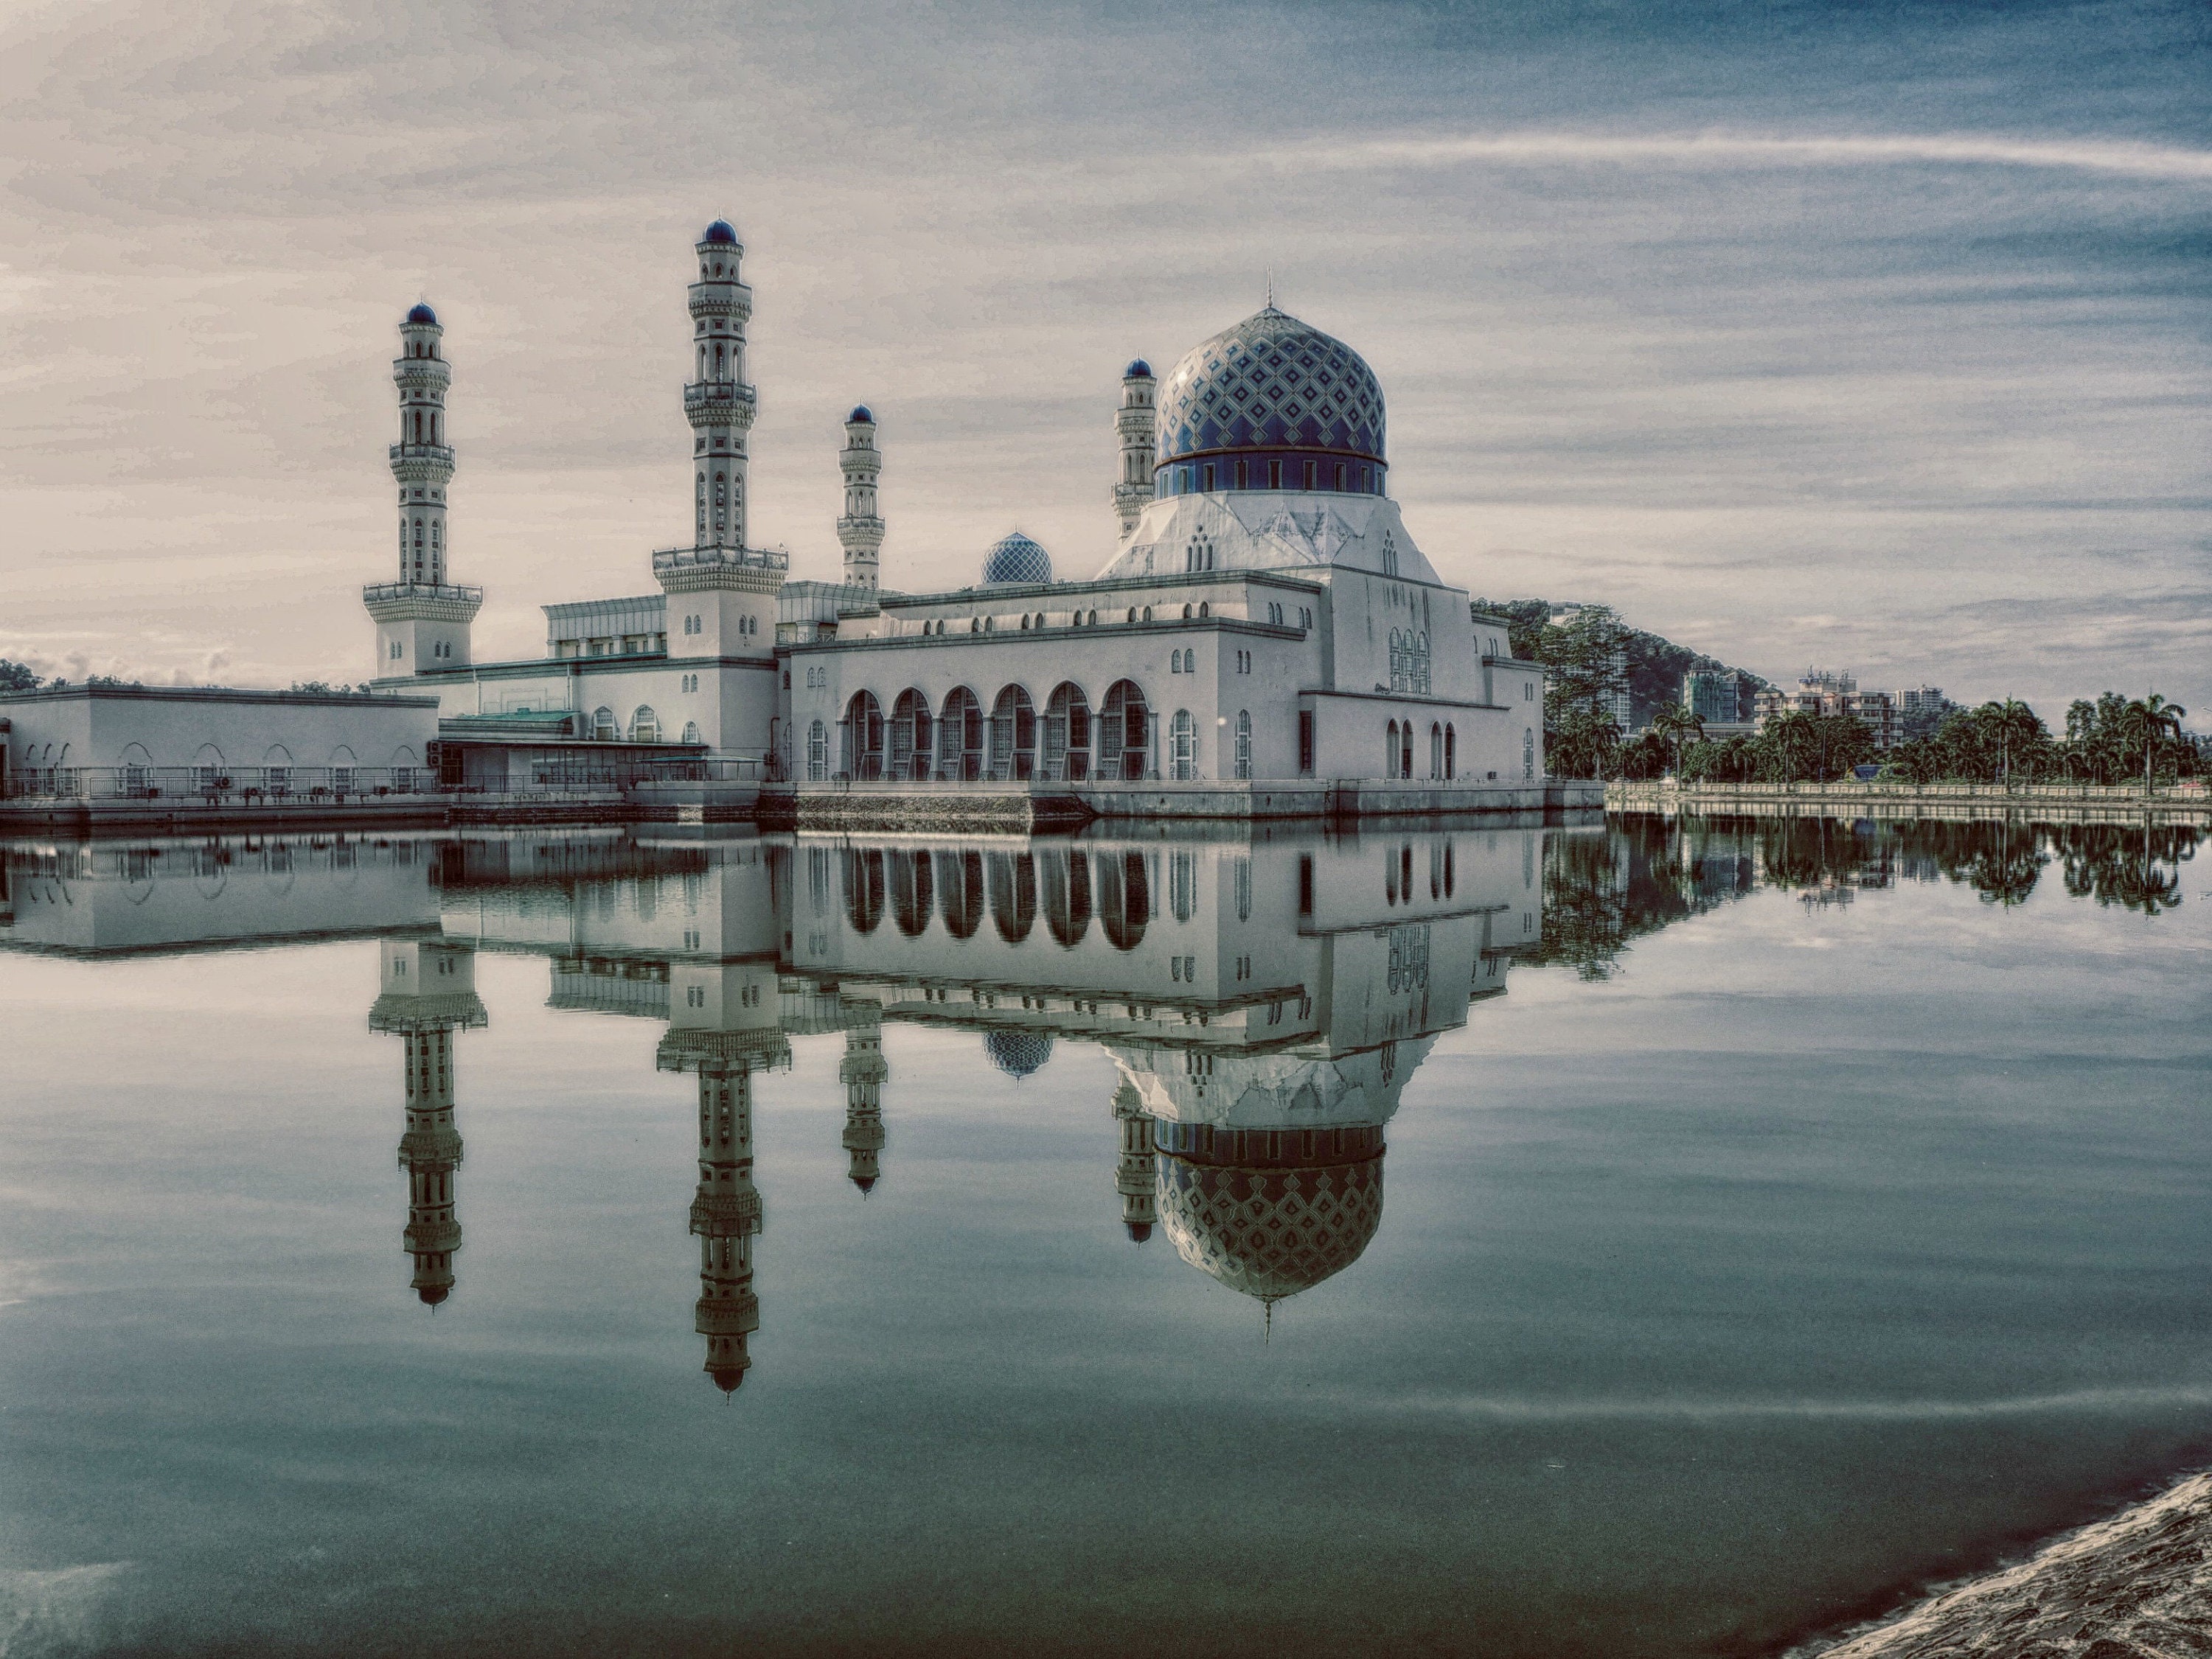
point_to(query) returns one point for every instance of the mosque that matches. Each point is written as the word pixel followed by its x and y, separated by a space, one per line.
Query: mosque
pixel 1266 615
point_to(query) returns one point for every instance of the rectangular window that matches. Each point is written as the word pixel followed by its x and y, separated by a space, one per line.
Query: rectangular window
pixel 1305 743
pixel 1305 883
pixel 1243 473
pixel 1339 477
pixel 1207 486
pixel 1309 474
pixel 1274 475
pixel 1183 479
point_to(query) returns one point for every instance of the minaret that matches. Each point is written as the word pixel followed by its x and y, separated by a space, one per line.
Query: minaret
pixel 725 1217
pixel 1135 421
pixel 719 404
pixel 860 530
pixel 725 591
pixel 422 620
pixel 428 993
pixel 863 1070
pixel 1137 1177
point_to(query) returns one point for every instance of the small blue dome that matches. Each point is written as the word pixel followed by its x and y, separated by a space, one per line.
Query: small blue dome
pixel 1017 559
pixel 721 231
pixel 1017 1054
pixel 422 313
pixel 1137 368
pixel 860 412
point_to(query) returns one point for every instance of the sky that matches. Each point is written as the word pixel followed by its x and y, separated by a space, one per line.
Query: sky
pixel 1870 337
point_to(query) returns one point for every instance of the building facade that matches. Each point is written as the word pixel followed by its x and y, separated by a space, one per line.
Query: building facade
pixel 1266 615
pixel 1821 692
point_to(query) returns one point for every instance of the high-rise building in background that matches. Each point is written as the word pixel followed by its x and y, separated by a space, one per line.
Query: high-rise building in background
pixel 1720 696
pixel 1823 692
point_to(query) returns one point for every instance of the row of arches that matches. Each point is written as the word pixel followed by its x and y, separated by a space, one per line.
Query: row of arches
pixel 1068 741
pixel 1068 889
pixel 1400 737
pixel 644 726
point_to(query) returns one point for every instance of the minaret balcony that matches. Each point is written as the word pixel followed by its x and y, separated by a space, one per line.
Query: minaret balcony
pixel 668 559
pixel 387 593
pixel 439 455
pixel 719 403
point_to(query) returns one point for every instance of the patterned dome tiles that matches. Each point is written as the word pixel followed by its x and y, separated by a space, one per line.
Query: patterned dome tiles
pixel 1270 1233
pixel 1271 382
pixel 1016 558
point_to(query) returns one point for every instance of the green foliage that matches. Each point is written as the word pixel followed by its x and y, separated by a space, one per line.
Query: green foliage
pixel 1654 665
pixel 2115 740
pixel 16 676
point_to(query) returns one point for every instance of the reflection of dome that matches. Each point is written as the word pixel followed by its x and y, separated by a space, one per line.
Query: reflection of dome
pixel 727 1377
pixel 1270 1211
pixel 422 313
pixel 433 1295
pixel 1017 559
pixel 1017 1054
pixel 1271 383
pixel 860 417
pixel 720 231
pixel 866 1183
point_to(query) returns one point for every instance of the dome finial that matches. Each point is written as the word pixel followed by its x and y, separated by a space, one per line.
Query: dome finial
pixel 1271 287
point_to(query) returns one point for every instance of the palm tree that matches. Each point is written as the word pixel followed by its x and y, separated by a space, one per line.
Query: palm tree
pixel 1671 722
pixel 2158 718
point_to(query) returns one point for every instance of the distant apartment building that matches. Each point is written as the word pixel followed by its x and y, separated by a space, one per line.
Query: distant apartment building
pixel 1621 706
pixel 1720 696
pixel 1915 698
pixel 1820 692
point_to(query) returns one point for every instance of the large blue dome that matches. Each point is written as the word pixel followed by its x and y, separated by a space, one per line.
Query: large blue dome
pixel 1017 559
pixel 1017 1054
pixel 422 313
pixel 721 231
pixel 1272 383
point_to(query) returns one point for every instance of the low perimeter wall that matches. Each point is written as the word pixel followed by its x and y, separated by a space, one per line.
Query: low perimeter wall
pixel 2070 803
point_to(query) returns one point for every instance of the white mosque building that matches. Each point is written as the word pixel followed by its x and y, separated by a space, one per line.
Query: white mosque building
pixel 1266 615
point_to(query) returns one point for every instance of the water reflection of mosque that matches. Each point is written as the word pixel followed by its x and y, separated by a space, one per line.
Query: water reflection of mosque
pixel 1264 1004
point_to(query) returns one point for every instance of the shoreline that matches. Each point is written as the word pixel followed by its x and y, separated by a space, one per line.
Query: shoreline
pixel 2136 1584
pixel 2063 803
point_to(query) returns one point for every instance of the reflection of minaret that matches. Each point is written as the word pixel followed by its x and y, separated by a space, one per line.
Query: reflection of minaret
pixel 864 1071
pixel 725 1216
pixel 428 993
pixel 1137 1177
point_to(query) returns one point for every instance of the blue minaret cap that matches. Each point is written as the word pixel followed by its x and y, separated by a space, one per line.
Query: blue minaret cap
pixel 721 231
pixel 861 413
pixel 422 313
pixel 1138 370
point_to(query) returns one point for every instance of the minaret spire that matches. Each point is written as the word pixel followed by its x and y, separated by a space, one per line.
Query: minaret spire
pixel 860 531
pixel 422 620
pixel 718 402
pixel 864 1070
pixel 726 1216
pixel 1135 423
pixel 427 992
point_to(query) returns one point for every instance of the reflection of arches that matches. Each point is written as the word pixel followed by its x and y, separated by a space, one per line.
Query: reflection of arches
pixel 862 730
pixel 603 728
pixel 960 735
pixel 864 889
pixel 1435 749
pixel 818 752
pixel 644 724
pixel 1067 895
pixel 1013 735
pixel 909 736
pixel 1451 752
pixel 1124 900
pixel 912 892
pixel 1067 735
pixel 960 885
pixel 1013 894
pixel 1124 738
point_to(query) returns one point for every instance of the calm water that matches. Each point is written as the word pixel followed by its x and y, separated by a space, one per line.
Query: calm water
pixel 1584 1241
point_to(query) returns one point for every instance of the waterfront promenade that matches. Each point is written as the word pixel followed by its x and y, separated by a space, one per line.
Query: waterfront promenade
pixel 2068 802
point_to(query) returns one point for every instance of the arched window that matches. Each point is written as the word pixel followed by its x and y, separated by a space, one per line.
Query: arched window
pixel 818 752
pixel 1125 903
pixel 960 892
pixel 644 725
pixel 1067 881
pixel 913 890
pixel 1390 749
pixel 1124 733
pixel 1182 741
pixel 864 889
pixel 910 736
pixel 1406 749
pixel 1451 752
pixel 603 725
pixel 1436 751
pixel 1244 743
pixel 691 732
pixel 1528 753
pixel 1067 735
pixel 960 735
pixel 862 730
pixel 1013 894
pixel 1013 735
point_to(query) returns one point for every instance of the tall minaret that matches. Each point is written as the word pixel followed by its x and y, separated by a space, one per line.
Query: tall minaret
pixel 427 992
pixel 725 1217
pixel 864 1070
pixel 1135 421
pixel 719 404
pixel 860 531
pixel 422 620
pixel 1137 1176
